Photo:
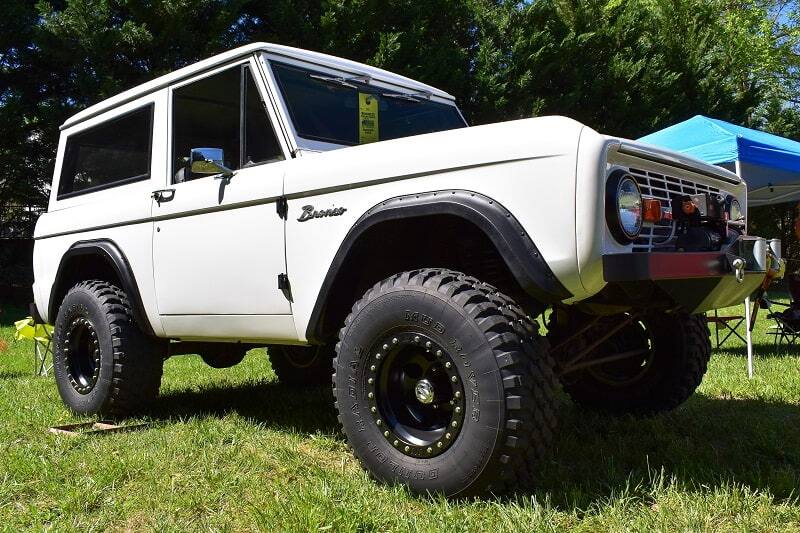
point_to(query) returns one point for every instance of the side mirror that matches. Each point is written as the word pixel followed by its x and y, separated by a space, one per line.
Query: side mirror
pixel 207 162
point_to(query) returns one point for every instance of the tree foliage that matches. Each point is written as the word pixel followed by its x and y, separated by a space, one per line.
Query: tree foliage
pixel 625 67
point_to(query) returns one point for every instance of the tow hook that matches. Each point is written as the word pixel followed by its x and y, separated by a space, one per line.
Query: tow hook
pixel 738 265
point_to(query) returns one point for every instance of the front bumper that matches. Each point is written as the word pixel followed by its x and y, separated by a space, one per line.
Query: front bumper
pixel 695 281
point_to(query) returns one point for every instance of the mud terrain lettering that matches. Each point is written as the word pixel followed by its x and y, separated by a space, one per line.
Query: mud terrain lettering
pixel 425 320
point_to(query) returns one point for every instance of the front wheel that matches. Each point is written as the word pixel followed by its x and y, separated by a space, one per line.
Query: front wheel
pixel 443 384
pixel 654 365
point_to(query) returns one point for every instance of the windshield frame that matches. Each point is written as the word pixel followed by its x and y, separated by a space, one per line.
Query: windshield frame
pixel 376 84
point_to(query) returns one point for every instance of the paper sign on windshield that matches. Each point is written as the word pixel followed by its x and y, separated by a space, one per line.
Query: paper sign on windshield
pixel 367 118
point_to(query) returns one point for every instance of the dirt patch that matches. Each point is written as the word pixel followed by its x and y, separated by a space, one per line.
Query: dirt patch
pixel 3 346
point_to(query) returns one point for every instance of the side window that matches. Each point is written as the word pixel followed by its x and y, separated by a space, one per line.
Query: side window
pixel 109 154
pixel 223 117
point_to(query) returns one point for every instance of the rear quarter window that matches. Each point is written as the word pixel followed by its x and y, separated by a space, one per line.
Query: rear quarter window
pixel 112 153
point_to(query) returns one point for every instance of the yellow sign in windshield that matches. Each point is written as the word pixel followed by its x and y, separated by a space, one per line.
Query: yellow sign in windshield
pixel 367 118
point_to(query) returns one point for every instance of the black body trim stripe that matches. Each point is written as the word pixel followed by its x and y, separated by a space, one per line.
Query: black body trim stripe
pixel 293 196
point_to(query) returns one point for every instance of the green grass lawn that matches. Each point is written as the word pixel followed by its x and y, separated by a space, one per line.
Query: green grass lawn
pixel 234 450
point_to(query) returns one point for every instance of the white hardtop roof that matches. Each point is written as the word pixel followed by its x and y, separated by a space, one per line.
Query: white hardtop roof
pixel 219 59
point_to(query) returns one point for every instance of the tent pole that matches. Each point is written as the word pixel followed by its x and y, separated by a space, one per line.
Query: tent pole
pixel 747 306
pixel 749 338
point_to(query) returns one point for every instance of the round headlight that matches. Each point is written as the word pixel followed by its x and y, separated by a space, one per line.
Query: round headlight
pixel 623 207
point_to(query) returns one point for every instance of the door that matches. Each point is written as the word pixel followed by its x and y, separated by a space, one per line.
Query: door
pixel 218 242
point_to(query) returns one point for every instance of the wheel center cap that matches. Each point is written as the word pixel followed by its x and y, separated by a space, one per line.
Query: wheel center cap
pixel 424 391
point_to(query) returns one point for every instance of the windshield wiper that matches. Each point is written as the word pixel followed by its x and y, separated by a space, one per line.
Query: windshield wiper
pixel 343 81
pixel 409 97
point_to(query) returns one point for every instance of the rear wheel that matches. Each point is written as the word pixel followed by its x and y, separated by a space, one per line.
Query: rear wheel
pixel 302 365
pixel 443 384
pixel 653 365
pixel 103 363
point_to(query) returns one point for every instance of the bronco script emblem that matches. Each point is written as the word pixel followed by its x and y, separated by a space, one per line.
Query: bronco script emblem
pixel 309 213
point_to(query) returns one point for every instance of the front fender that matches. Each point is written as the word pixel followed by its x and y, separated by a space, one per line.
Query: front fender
pixel 516 247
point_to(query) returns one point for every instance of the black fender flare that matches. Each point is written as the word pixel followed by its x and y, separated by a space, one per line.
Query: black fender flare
pixel 516 247
pixel 110 252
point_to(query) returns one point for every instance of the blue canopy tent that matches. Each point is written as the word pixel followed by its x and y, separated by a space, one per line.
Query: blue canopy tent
pixel 769 164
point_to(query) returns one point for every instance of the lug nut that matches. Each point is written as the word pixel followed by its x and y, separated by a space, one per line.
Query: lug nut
pixel 395 341
pixel 386 434
pixel 429 450
pixel 428 344
pixel 416 339
pixel 406 448
pixel 454 423
pixel 370 381
pixel 370 395
pixel 385 346
pixel 438 444
pixel 378 356
pixel 458 409
pixel 458 394
pixel 448 364
pixel 379 421
pixel 373 367
pixel 454 379
pixel 438 353
pixel 447 435
pixel 374 409
pixel 396 442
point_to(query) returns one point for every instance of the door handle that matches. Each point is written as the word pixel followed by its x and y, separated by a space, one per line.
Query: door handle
pixel 163 195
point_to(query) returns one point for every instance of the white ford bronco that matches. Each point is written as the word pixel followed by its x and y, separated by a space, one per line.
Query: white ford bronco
pixel 348 219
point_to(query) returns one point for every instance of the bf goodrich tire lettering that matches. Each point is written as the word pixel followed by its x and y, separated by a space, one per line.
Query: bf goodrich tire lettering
pixel 498 358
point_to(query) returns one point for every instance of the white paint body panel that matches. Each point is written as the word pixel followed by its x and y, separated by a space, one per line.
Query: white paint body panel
pixel 206 263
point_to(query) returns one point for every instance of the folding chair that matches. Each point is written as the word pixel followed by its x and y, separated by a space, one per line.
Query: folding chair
pixel 784 330
pixel 724 323
pixel 42 337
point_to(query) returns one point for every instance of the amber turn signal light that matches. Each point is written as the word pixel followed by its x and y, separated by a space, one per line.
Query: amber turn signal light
pixel 651 209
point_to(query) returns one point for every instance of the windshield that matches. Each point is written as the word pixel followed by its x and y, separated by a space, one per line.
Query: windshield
pixel 348 111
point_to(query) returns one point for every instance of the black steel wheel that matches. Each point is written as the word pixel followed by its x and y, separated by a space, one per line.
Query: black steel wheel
pixel 417 393
pixel 103 363
pixel 443 384
pixel 82 353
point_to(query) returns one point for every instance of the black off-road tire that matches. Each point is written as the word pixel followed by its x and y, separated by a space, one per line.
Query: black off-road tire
pixel 495 352
pixel 304 366
pixel 681 349
pixel 103 363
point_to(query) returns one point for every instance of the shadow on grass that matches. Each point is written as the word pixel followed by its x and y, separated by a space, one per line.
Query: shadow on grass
pixel 6 374
pixel 304 410
pixel 706 443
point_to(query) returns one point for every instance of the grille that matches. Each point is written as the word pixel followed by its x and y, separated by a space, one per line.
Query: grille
pixel 661 235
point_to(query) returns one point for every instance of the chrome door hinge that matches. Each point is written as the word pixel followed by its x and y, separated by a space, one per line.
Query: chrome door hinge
pixel 282 206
